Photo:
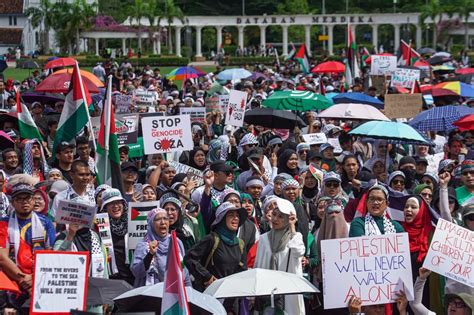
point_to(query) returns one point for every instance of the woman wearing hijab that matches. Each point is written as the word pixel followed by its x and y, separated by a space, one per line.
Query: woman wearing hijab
pixel 148 193
pixel 288 162
pixel 302 149
pixel 396 181
pixel 150 256
pixel 214 152
pixel 377 168
pixel 282 249
pixel 41 202
pixel 197 159
pixel 425 191
pixel 380 148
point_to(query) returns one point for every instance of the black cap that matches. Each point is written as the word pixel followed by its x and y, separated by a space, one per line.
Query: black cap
pixel 313 155
pixel 220 166
pixel 64 145
pixel 406 160
pixel 127 165
pixel 255 153
pixel 420 159
pixel 22 188
pixel 124 148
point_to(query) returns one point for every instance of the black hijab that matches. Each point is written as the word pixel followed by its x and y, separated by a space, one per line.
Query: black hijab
pixel 283 159
pixel 192 154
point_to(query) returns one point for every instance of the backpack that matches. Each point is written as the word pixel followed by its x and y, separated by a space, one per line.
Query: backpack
pixel 216 244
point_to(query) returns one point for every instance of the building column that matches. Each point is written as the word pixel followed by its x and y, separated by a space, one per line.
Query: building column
pixel 124 46
pixel 198 41
pixel 158 41
pixel 284 29
pixel 330 39
pixel 178 40
pixel 375 36
pixel 307 38
pixel 219 38
pixel 241 37
pixel 263 38
pixel 396 43
pixel 97 47
pixel 418 37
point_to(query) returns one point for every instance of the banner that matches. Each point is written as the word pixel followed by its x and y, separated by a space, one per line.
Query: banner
pixel 402 105
pixel 236 108
pixel 137 221
pixel 372 268
pixel 144 99
pixel 163 134
pixel 451 253
pixel 122 103
pixel 223 102
pixel 198 114
pixel 383 65
pixel 405 77
pixel 126 126
pixel 315 138
pixel 59 282
pixel 103 223
pixel 216 103
pixel 193 174
pixel 70 212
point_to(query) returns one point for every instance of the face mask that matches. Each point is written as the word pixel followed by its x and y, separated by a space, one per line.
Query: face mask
pixel 409 176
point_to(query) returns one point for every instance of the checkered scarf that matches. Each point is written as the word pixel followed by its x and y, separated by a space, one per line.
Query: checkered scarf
pixel 28 164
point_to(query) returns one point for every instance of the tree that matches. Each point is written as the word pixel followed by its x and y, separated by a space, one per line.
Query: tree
pixel 151 13
pixel 137 11
pixel 463 9
pixel 43 16
pixel 169 13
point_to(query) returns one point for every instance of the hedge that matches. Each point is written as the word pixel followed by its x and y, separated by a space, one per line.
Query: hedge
pixel 238 61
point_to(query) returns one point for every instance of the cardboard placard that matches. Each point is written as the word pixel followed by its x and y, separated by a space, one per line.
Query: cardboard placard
pixel 405 77
pixel 315 138
pixel 215 103
pixel 402 105
pixel 195 174
pixel 59 282
pixel 372 268
pixel 137 221
pixel 122 103
pixel 378 82
pixel 197 114
pixel 163 134
pixel 236 108
pixel 70 212
pixel 383 65
pixel 126 126
pixel 451 253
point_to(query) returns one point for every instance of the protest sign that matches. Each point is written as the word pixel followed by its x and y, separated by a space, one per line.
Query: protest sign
pixel 198 114
pixel 163 134
pixel 335 143
pixel 70 212
pixel 223 102
pixel 59 282
pixel 383 65
pixel 373 268
pixel 216 103
pixel 405 77
pixel 451 252
pixel 402 105
pixel 126 127
pixel 378 82
pixel 193 173
pixel 144 99
pixel 236 108
pixel 315 138
pixel 103 223
pixel 122 103
pixel 137 221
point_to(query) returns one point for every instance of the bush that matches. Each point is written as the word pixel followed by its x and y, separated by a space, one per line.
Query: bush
pixel 238 61
pixel 152 61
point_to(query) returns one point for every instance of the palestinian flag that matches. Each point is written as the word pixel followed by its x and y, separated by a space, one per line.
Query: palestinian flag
pixel 415 88
pixel 352 52
pixel 175 300
pixel 302 57
pixel 108 157
pixel 363 57
pixel 137 214
pixel 74 116
pixel 292 53
pixel 407 55
pixel 28 128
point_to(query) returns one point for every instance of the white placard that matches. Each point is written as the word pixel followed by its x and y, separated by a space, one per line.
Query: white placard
pixel 75 212
pixel 137 221
pixel 383 65
pixel 405 77
pixel 59 282
pixel 197 114
pixel 103 223
pixel 451 253
pixel 335 143
pixel 235 112
pixel 315 138
pixel 194 173
pixel 144 99
pixel 163 134
pixel 123 103
pixel 373 268
pixel 223 102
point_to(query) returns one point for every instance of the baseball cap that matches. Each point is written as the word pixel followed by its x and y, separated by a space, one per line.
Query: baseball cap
pixel 325 146
pixel 64 145
pixel 22 188
pixel 255 153
pixel 127 165
pixel 124 148
pixel 220 166
pixel 331 177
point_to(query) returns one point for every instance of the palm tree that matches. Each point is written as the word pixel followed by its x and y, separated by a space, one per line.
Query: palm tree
pixel 432 10
pixel 151 13
pixel 464 9
pixel 170 12
pixel 80 19
pixel 137 11
pixel 44 17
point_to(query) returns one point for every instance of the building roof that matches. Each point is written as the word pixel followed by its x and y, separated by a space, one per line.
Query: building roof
pixel 11 7
pixel 10 36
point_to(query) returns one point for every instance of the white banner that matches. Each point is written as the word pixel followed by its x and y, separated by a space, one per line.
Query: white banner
pixel 383 65
pixel 75 212
pixel 193 173
pixel 405 77
pixel 197 114
pixel 373 268
pixel 451 252
pixel 163 134
pixel 59 282
pixel 103 223
pixel 236 108
pixel 315 138
pixel 137 221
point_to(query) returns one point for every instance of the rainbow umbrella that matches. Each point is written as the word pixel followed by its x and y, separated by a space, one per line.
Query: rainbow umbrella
pixel 184 73
pixel 457 88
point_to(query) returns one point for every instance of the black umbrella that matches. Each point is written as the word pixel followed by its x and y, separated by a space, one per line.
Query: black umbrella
pixel 438 60
pixel 426 51
pixel 273 118
pixel 3 65
pixel 42 97
pixel 104 291
pixel 30 64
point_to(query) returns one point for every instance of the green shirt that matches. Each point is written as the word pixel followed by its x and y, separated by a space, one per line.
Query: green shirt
pixel 462 195
pixel 358 226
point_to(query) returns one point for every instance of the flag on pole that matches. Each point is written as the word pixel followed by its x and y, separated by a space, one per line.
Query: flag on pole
pixel 26 124
pixel 292 53
pixel 74 116
pixel 363 57
pixel 415 88
pixel 348 79
pixel 404 54
pixel 352 52
pixel 175 300
pixel 108 157
pixel 302 57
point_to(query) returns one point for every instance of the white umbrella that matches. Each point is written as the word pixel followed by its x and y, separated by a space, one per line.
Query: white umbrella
pixel 353 111
pixel 259 282
pixel 148 298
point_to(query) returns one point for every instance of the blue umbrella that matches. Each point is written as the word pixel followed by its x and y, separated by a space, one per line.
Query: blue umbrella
pixel 330 96
pixel 389 130
pixel 233 74
pixel 440 118
pixel 357 97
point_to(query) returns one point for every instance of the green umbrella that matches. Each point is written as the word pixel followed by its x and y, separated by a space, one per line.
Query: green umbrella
pixel 297 100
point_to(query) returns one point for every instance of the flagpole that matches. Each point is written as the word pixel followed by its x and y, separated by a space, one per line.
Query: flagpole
pixel 91 130
pixel 106 112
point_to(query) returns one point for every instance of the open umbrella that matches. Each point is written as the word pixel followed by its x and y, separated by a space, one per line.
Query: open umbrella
pixel 421 64
pixel 59 83
pixel 426 51
pixel 148 299
pixel 353 111
pixel 42 97
pixel 329 66
pixel 443 69
pixel 60 62
pixel 273 118
pixel 103 291
pixel 359 98
pixel 440 118
pixel 30 64
pixel 84 74
pixel 233 74
pixel 184 73
pixel 257 75
pixel 3 65
pixel 457 88
pixel 259 282
pixel 389 130
pixel 465 123
pixel 438 60
pixel 465 71
pixel 5 142
pixel 297 100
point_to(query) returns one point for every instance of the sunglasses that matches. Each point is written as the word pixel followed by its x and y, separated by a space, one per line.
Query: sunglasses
pixel 398 182
pixel 332 185
pixel 468 173
pixel 469 217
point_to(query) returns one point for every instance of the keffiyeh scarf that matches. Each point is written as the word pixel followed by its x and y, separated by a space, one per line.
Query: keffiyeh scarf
pixel 371 227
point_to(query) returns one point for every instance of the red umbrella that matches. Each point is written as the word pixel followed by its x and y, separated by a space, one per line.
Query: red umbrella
pixel 60 62
pixel 329 66
pixel 369 60
pixel 8 285
pixel 420 63
pixel 465 71
pixel 465 123
pixel 59 83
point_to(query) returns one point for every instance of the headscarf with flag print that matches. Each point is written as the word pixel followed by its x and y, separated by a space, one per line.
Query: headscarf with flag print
pixel 28 163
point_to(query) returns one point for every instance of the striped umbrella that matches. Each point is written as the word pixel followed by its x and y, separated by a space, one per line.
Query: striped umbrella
pixel 184 73
pixel 457 87
pixel 297 100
